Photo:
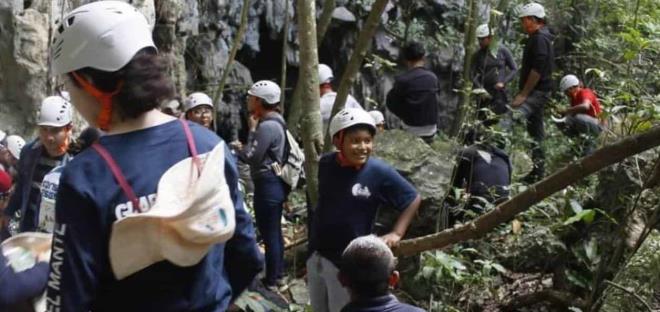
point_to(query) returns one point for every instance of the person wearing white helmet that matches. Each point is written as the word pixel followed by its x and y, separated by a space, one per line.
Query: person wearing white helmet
pixel 328 95
pixel 492 69
pixel 379 120
pixel 199 109
pixel 37 160
pixel 583 116
pixel 535 84
pixel 265 147
pixel 414 95
pixel 352 186
pixel 4 152
pixel 119 244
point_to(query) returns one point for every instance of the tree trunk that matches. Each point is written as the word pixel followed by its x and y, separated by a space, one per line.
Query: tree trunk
pixel 354 64
pixel 535 193
pixel 308 83
pixel 468 46
pixel 295 110
pixel 324 20
pixel 232 54
pixel 285 46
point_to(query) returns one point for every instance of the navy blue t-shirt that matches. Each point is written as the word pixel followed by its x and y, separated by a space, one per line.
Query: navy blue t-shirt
pixel 89 200
pixel 387 303
pixel 349 200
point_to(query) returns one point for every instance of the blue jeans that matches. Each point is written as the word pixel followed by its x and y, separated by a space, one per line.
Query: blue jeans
pixel 270 193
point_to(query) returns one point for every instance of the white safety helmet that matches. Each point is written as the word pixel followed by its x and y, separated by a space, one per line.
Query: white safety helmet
pixel 104 35
pixel 349 117
pixel 532 9
pixel 197 99
pixel 266 90
pixel 55 112
pixel 568 82
pixel 377 116
pixel 15 144
pixel 325 74
pixel 483 31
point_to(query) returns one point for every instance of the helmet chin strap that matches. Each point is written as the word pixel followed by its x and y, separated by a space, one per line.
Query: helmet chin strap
pixel 105 98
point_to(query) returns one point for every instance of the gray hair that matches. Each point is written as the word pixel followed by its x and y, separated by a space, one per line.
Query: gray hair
pixel 367 263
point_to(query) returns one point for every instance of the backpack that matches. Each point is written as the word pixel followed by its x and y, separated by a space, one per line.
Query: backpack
pixel 292 169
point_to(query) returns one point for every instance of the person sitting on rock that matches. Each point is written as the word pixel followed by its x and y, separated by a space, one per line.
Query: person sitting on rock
pixel 199 109
pixel 379 119
pixel 368 272
pixel 352 186
pixel 328 95
pixel 582 117
pixel 484 172
pixel 413 98
pixel 492 68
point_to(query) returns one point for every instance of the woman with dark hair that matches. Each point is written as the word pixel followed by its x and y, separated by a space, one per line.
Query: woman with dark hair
pixel 105 53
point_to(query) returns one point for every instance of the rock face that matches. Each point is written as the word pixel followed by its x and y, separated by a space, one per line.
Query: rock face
pixel 195 36
pixel 428 169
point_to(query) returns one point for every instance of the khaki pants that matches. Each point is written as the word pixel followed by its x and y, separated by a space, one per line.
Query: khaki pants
pixel 325 291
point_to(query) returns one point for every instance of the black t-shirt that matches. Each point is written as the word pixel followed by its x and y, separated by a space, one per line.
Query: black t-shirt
pixel 387 303
pixel 539 55
pixel 413 98
pixel 484 171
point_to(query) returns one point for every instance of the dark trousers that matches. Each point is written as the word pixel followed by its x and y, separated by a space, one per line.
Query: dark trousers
pixel 532 109
pixel 270 193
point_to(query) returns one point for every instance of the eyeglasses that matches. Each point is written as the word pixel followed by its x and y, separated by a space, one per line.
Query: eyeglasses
pixel 199 111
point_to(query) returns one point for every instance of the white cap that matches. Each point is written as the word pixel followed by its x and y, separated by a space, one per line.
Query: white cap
pixel 15 144
pixel 190 215
pixel 349 117
pixel 532 9
pixel 266 90
pixel 55 112
pixel 377 116
pixel 483 31
pixel 104 35
pixel 325 74
pixel 568 81
pixel 197 99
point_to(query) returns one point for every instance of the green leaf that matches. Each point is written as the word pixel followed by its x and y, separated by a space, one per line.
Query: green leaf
pixel 499 268
pixel 585 215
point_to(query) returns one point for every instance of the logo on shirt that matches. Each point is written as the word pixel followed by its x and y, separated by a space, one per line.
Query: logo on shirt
pixel 360 191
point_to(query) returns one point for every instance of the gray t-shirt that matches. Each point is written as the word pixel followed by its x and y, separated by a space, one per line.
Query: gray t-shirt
pixel 265 145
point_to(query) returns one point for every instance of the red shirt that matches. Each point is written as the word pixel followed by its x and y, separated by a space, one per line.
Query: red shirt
pixel 586 94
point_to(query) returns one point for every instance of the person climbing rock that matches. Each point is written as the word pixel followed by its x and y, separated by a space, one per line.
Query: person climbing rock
pixel 535 83
pixel 119 242
pixel 492 69
pixel 414 96
pixel 352 186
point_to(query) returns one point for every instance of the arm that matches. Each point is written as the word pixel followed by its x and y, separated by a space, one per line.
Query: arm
pixel 394 99
pixel 402 223
pixel 510 64
pixel 21 286
pixel 78 252
pixel 533 79
pixel 242 257
pixel 582 108
pixel 259 142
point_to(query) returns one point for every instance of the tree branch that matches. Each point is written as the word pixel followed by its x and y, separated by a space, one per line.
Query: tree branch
pixel 504 212
pixel 632 293
pixel 324 20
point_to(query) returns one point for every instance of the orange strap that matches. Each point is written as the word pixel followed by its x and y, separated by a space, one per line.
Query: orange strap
pixel 105 98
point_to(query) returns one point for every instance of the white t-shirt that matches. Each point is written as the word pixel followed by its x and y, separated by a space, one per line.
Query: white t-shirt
pixel 328 99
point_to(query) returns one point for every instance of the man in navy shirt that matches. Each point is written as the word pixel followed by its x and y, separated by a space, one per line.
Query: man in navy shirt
pixel 368 271
pixel 535 81
pixel 352 186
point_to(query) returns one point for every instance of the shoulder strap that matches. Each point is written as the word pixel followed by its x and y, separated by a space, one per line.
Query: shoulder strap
pixel 119 176
pixel 287 147
pixel 191 145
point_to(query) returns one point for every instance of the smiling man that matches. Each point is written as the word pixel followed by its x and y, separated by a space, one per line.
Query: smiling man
pixel 38 158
